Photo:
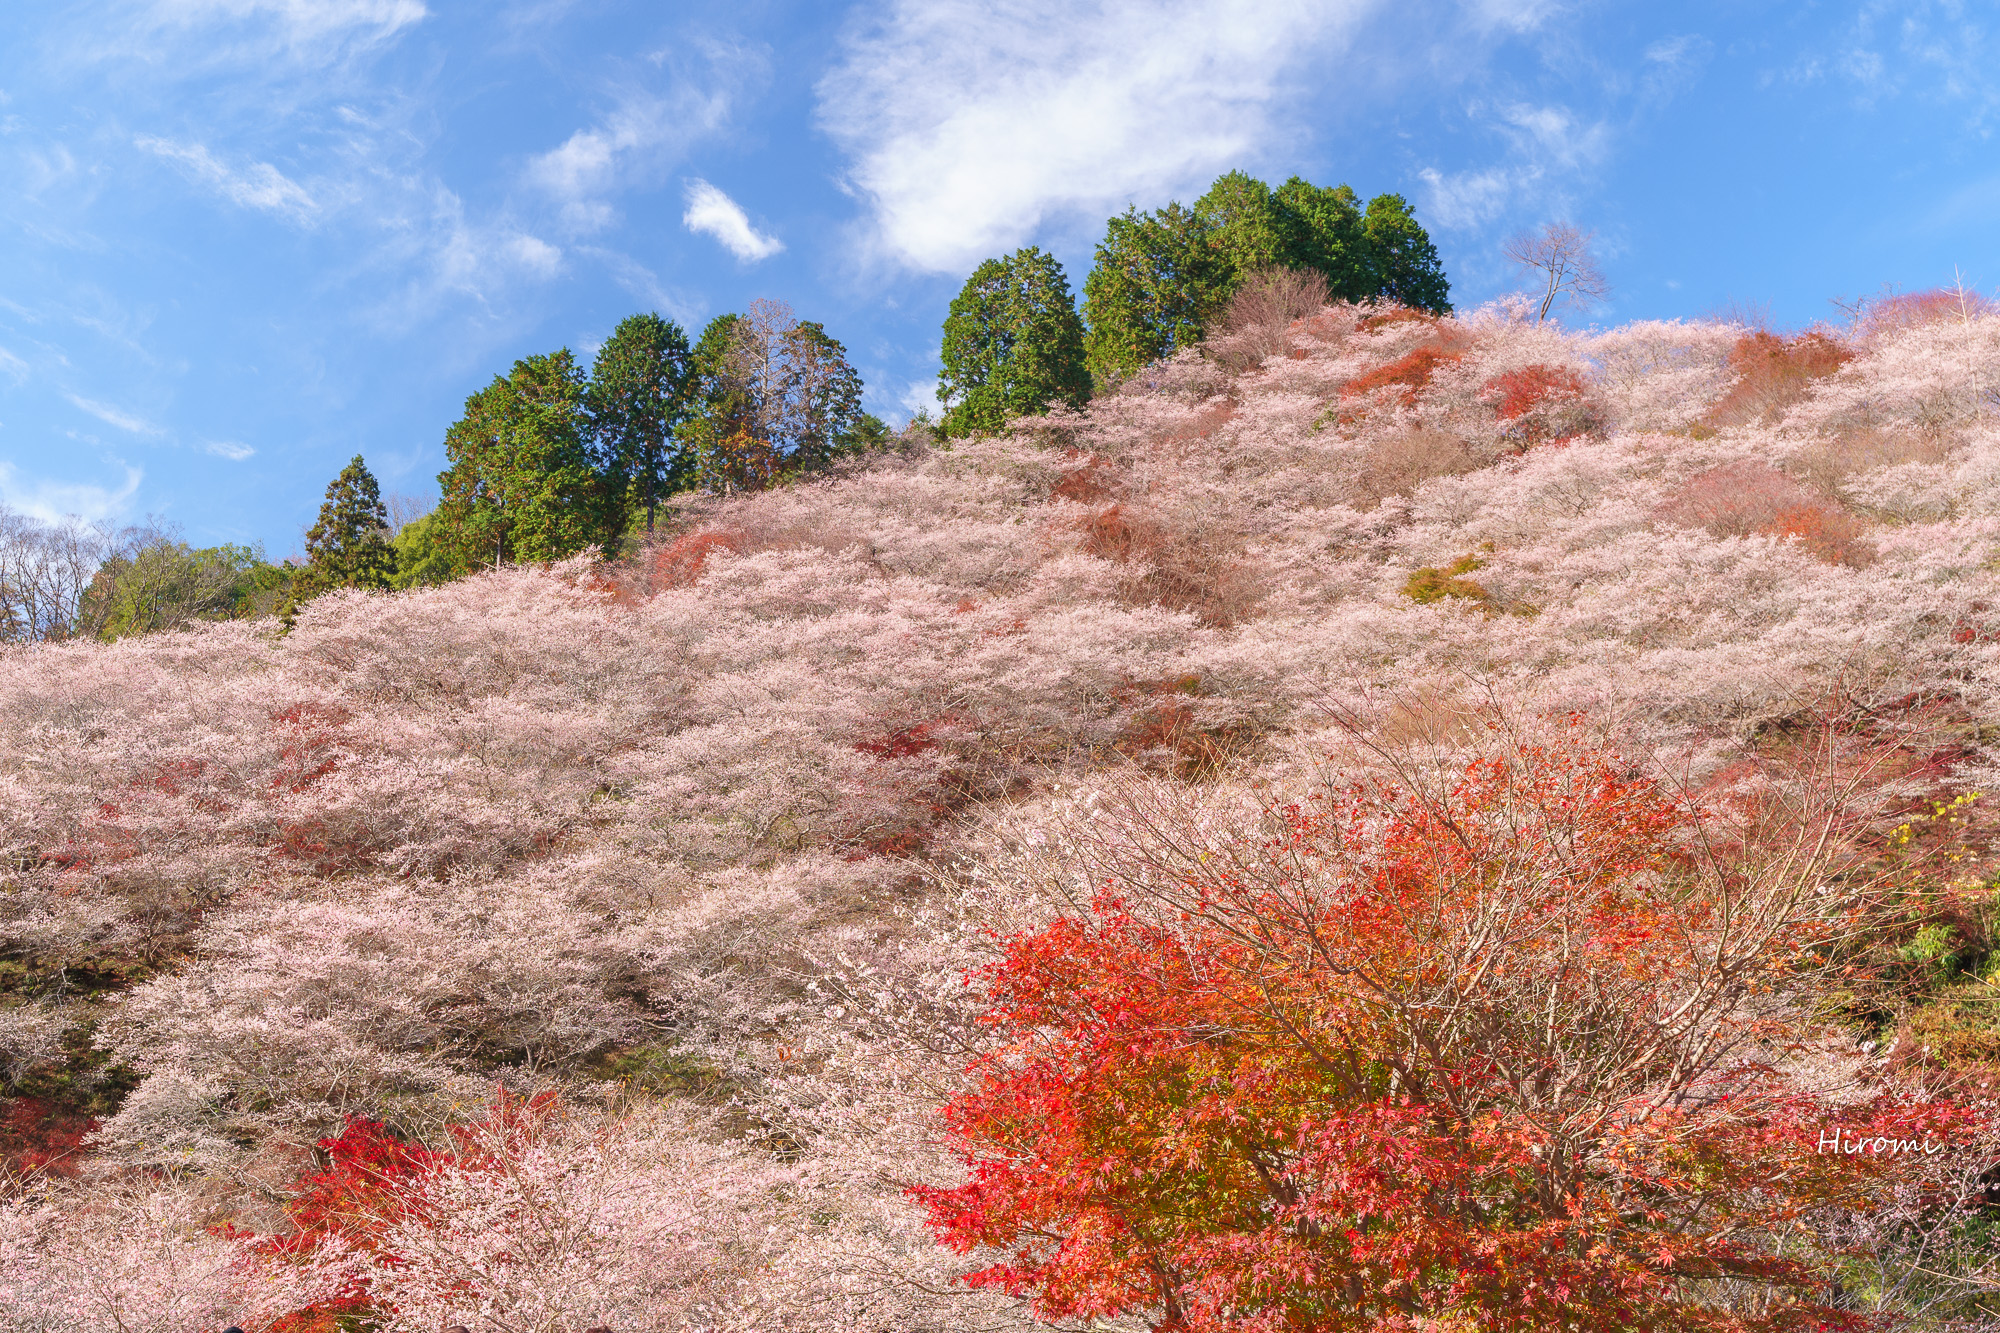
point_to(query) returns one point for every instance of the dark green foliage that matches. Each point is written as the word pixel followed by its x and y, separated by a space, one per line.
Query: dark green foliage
pixel 524 483
pixel 1407 264
pixel 638 394
pixel 1157 282
pixel 159 582
pixel 1247 224
pixel 868 434
pixel 1161 278
pixel 1012 345
pixel 719 405
pixel 1324 231
pixel 349 546
pixel 1297 225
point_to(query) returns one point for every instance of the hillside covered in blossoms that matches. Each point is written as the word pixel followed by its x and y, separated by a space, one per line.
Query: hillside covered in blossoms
pixel 1382 821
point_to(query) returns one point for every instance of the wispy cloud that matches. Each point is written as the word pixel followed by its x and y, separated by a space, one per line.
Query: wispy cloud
pixel 112 416
pixel 641 138
pixel 970 124
pixel 13 367
pixel 260 185
pixel 645 284
pixel 438 256
pixel 52 501
pixel 295 22
pixel 1517 15
pixel 1467 199
pixel 232 450
pixel 473 259
pixel 713 213
pixel 1549 149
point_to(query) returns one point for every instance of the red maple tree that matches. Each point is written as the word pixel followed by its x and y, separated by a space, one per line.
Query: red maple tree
pixel 1503 1056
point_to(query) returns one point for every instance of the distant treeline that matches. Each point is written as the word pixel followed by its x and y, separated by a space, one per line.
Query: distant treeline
pixel 548 461
pixel 545 462
pixel 75 579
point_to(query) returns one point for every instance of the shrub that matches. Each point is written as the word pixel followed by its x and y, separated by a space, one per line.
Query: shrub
pixel 1429 584
pixel 1409 374
pixel 1399 462
pixel 1471 1058
pixel 539 1216
pixel 1773 372
pixel 1742 499
pixel 1261 312
pixel 1880 316
pixel 1184 571
pixel 1095 480
pixel 1828 461
pixel 679 563
pixel 1541 403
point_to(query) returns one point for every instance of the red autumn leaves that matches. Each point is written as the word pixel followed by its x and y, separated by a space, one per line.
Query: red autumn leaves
pixel 1502 1056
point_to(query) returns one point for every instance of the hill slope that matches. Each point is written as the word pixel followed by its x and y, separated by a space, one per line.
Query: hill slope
pixel 724 824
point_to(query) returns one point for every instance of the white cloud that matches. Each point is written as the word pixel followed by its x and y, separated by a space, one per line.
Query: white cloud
pixel 642 136
pixel 13 367
pixel 53 501
pixel 714 213
pixel 480 260
pixel 112 416
pixel 1676 50
pixel 435 260
pixel 1552 136
pixel 260 186
pixel 921 396
pixel 972 123
pixel 230 449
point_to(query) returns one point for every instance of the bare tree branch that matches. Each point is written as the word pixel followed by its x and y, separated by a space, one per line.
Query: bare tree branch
pixel 1559 258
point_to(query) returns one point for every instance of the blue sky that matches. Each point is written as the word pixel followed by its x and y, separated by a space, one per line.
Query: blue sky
pixel 243 240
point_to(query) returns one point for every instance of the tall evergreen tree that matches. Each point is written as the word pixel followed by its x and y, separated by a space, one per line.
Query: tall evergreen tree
pixel 1012 344
pixel 524 482
pixel 1158 280
pixel 349 546
pixel 1248 225
pixel 638 394
pixel 1324 232
pixel 1407 265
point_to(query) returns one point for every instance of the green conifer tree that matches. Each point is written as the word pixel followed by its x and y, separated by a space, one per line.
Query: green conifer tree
pixel 1324 231
pixel 349 546
pixel 1158 280
pixel 638 395
pixel 1248 225
pixel 1012 345
pixel 1406 263
pixel 524 482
